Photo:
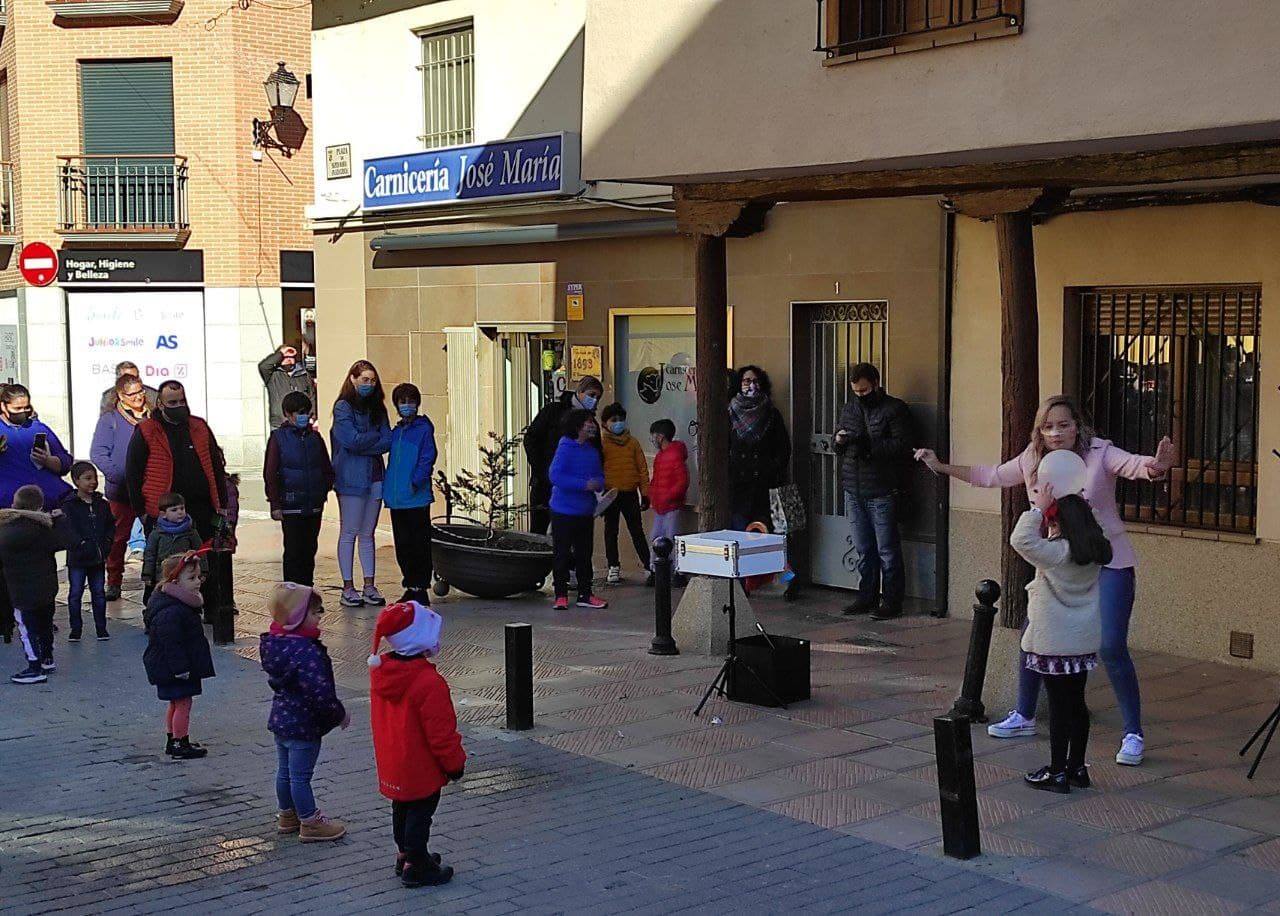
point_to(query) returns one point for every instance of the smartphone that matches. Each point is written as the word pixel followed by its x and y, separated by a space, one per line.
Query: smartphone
pixel 41 442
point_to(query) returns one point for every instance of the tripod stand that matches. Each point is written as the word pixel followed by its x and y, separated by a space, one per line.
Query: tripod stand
pixel 732 664
pixel 1272 720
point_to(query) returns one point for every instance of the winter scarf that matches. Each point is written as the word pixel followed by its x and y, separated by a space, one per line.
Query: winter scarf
pixel 750 416
pixel 169 527
pixel 186 596
pixel 133 418
pixel 301 630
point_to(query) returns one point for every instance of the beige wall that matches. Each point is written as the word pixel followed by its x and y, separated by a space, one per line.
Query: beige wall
pixel 1191 592
pixel 734 86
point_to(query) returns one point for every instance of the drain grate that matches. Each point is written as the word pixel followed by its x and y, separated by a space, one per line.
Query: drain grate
pixel 867 641
pixel 862 644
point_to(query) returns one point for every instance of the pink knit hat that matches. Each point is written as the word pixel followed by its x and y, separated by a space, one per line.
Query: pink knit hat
pixel 290 603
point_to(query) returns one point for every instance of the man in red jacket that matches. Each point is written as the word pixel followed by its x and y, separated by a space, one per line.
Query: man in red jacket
pixel 415 734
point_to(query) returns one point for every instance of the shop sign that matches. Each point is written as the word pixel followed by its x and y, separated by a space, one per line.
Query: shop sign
pixel 9 353
pixel 337 161
pixel 131 268
pixel 573 302
pixel 506 169
pixel 586 361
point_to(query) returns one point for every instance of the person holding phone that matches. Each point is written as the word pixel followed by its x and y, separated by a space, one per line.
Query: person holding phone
pixel 284 371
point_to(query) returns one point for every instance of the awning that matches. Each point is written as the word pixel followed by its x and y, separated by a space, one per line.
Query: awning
pixel 527 235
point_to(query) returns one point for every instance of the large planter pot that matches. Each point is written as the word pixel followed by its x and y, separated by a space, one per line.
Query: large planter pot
pixel 467 557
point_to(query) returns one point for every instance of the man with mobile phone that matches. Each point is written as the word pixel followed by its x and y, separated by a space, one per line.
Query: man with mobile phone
pixel 283 370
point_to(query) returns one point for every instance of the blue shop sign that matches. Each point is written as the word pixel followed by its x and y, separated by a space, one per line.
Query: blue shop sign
pixel 528 167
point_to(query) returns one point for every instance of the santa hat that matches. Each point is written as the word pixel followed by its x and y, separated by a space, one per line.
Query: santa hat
pixel 409 628
pixel 290 603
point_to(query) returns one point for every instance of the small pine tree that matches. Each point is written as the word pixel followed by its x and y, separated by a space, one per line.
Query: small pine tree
pixel 486 494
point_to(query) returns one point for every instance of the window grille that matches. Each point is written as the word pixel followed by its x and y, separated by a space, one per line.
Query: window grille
pixel 448 87
pixel 1181 362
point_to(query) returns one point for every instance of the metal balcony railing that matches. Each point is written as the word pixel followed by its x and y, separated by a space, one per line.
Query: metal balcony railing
pixel 8 225
pixel 128 195
pixel 853 26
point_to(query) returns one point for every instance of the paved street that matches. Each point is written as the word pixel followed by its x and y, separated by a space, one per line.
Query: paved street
pixel 620 800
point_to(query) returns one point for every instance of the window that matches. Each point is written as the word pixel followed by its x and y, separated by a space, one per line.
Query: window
pixel 854 28
pixel 1181 362
pixel 448 86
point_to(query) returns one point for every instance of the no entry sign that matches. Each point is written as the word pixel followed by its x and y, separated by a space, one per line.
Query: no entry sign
pixel 38 264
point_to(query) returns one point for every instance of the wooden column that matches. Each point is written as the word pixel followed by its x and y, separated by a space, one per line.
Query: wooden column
pixel 1019 391
pixel 711 301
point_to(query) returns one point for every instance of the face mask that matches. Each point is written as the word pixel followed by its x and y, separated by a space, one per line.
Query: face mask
pixel 179 414
pixel 408 410
pixel 865 398
pixel 751 390
pixel 589 402
pixel 618 427
pixel 302 421
pixel 365 390
pixel 20 417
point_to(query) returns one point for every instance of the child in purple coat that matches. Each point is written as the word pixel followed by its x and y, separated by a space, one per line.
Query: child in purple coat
pixel 305 709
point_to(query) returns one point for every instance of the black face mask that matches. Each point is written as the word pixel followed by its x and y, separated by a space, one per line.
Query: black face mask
pixel 868 398
pixel 177 415
pixel 20 417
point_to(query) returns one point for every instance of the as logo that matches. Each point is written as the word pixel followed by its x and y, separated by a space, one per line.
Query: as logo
pixel 167 342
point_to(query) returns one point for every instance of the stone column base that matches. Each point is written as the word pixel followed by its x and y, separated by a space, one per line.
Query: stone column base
pixel 700 625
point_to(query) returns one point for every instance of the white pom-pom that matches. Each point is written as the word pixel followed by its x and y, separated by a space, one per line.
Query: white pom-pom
pixel 374 661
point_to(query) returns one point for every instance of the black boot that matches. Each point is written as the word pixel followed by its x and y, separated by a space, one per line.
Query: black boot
pixel 169 744
pixel 1079 776
pixel 426 874
pixel 184 750
pixel 1047 781
pixel 887 611
pixel 400 862
pixel 863 604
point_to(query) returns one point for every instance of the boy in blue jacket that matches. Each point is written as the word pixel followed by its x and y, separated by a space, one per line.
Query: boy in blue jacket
pixel 577 475
pixel 407 491
pixel 90 530
pixel 298 476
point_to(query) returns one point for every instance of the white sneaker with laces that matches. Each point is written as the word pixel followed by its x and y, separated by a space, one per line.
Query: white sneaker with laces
pixel 1014 726
pixel 615 575
pixel 1131 748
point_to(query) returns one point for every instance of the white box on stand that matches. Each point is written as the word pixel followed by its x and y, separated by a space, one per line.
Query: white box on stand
pixel 731 554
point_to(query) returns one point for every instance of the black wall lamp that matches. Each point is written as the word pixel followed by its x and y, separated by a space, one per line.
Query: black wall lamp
pixel 285 131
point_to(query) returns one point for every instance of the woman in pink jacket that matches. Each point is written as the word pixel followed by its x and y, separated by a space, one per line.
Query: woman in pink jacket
pixel 1059 424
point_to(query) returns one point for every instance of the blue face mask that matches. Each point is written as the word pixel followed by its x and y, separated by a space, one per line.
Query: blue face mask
pixel 589 402
pixel 302 421
pixel 408 410
pixel 365 390
pixel 618 427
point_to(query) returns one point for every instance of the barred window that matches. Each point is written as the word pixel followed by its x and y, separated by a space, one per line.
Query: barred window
pixel 1181 362
pixel 448 86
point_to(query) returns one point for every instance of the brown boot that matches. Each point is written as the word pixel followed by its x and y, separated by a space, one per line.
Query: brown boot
pixel 287 822
pixel 318 829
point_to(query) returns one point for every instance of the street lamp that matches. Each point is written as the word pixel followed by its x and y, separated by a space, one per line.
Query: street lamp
pixel 282 91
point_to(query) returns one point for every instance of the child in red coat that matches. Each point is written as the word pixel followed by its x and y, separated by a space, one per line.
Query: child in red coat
pixel 669 487
pixel 415 735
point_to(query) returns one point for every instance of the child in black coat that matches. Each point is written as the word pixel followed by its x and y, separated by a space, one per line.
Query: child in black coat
pixel 177 656
pixel 28 542
pixel 89 529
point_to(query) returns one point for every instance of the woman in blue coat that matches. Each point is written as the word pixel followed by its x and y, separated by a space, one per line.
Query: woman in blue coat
pixel 408 491
pixel 360 436
pixel 577 475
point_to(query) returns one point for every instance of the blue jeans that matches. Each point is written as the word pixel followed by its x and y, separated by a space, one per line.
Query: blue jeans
pixel 96 578
pixel 1116 604
pixel 879 545
pixel 296 762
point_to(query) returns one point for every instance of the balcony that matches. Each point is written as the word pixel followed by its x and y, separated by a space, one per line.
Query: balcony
pixel 93 13
pixel 137 200
pixel 8 223
pixel 856 29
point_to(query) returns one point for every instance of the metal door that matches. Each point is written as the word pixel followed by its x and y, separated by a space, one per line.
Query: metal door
pixel 841 334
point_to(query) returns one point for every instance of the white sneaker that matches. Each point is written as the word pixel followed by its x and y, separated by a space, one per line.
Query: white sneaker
pixel 1015 726
pixel 615 575
pixel 1130 754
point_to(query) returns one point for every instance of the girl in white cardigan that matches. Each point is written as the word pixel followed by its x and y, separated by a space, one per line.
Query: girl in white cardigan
pixel 1063 541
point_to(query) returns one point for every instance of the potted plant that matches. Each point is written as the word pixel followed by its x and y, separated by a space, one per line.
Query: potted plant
pixel 478 552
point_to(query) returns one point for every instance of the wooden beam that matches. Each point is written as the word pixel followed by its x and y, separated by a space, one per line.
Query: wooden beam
pixel 711 322
pixel 987 204
pixel 1019 392
pixel 1235 160
pixel 714 218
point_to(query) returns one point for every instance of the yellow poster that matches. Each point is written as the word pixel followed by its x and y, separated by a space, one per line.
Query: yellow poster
pixel 573 302
pixel 586 361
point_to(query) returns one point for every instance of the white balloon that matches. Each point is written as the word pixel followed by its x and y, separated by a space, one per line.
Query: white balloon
pixel 1064 470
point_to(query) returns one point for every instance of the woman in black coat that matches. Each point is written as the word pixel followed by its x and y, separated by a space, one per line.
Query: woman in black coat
pixel 759 448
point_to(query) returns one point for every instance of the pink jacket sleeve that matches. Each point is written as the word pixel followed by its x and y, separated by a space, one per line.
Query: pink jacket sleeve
pixel 1120 463
pixel 1008 474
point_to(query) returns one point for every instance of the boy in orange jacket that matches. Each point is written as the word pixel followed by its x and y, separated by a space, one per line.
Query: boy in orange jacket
pixel 415 735
pixel 627 471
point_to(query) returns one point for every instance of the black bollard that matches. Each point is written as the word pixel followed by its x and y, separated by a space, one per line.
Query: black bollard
pixel 519 647
pixel 969 703
pixel 222 613
pixel 957 792
pixel 662 643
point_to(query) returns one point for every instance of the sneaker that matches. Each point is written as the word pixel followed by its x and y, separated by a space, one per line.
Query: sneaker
pixel 426 874
pixel 561 604
pixel 420 595
pixel 615 575
pixel 1014 726
pixel 887 612
pixel 372 596
pixel 861 605
pixel 73 636
pixel 113 593
pixel 287 822
pixel 103 636
pixel 594 602
pixel 401 861
pixel 184 749
pixel 1048 782
pixel 351 598
pixel 320 829
pixel 1131 748
pixel 30 675
pixel 48 664
pixel 1079 777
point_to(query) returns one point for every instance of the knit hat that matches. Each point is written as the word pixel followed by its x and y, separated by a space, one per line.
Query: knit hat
pixel 290 603
pixel 409 628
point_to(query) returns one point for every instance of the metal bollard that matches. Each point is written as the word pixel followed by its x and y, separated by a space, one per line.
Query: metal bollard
pixel 662 643
pixel 969 703
pixel 957 792
pixel 519 646
pixel 222 613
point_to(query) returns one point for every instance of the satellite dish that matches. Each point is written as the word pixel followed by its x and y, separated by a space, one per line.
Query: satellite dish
pixel 1064 470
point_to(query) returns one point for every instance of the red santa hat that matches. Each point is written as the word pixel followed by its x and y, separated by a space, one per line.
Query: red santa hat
pixel 409 628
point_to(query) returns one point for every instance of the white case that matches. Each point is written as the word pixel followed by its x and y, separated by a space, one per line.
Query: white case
pixel 731 554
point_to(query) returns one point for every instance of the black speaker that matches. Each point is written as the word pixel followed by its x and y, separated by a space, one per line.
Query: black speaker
pixel 770 669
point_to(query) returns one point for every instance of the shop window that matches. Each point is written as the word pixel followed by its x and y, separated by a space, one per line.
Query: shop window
pixel 1181 362
pixel 857 28
pixel 448 86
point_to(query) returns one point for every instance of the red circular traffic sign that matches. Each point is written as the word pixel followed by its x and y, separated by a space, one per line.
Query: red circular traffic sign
pixel 38 264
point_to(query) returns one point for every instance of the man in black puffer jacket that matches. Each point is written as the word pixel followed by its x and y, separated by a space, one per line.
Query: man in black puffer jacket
pixel 873 440
pixel 542 438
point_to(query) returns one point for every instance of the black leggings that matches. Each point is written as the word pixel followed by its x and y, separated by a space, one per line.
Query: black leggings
pixel 1068 720
pixel 411 824
pixel 627 505
pixel 572 539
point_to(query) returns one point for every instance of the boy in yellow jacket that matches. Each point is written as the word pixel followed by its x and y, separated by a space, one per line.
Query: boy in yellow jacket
pixel 627 471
